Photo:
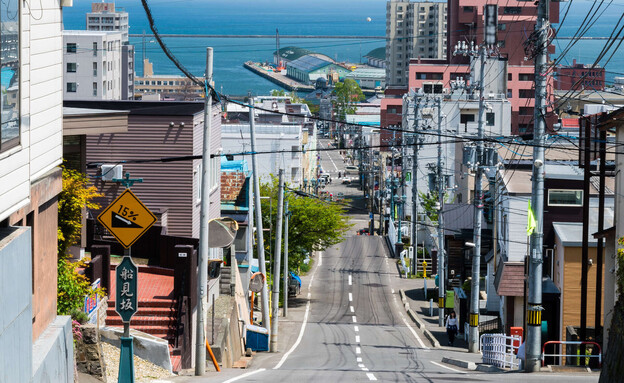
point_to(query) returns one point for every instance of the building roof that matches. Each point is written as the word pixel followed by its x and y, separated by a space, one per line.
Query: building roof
pixel 373 73
pixel 509 280
pixel 518 181
pixel 378 53
pixel 82 32
pixel 309 63
pixel 292 53
pixel 571 233
pixel 458 217
pixel 135 107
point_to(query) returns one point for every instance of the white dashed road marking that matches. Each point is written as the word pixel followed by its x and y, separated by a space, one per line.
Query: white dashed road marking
pixel 358 350
pixel 351 309
pixel 356 328
pixel 371 376
pixel 350 281
pixel 350 297
pixel 354 319
pixel 357 339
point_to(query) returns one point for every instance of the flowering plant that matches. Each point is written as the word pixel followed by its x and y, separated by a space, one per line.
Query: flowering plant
pixel 76 331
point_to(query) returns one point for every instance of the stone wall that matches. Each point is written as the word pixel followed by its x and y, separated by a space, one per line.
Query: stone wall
pixel 89 359
pixel 612 366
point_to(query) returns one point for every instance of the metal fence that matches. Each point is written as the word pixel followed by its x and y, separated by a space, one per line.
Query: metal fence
pixel 500 350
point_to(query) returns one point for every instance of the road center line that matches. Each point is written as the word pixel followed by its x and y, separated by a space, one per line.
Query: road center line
pixel 350 281
pixel 352 309
pixel 354 319
pixel 350 297
pixel 245 375
pixel 448 368
pixel 332 161
pixel 357 339
pixel 371 376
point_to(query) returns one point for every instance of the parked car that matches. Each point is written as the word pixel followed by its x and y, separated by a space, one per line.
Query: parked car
pixel 351 169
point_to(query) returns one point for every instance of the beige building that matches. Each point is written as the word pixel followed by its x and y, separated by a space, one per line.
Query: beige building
pixel 165 87
pixel 413 30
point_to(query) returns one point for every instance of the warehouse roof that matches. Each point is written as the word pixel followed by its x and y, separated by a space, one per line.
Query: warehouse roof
pixel 309 63
pixel 379 53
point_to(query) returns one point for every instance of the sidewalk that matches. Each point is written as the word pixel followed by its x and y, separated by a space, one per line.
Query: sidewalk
pixel 412 291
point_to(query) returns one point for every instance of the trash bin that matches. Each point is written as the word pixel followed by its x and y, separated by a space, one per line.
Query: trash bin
pixel 257 338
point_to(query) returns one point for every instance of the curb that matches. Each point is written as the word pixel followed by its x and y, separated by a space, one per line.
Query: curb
pixel 488 368
pixel 460 363
pixel 421 326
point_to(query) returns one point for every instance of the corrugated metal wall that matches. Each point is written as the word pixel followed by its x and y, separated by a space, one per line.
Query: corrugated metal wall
pixel 166 186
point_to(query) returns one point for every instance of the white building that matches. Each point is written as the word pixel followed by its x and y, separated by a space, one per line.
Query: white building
pixel 413 30
pixel 93 66
pixel 35 344
pixel 270 141
pixel 104 17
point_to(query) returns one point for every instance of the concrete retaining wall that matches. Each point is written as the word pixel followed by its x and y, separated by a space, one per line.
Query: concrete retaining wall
pixel 15 305
pixel 53 353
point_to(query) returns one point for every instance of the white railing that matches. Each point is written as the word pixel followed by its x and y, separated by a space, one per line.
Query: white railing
pixel 392 232
pixel 500 350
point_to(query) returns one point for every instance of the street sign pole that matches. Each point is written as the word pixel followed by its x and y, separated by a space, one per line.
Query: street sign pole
pixel 127 219
pixel 126 305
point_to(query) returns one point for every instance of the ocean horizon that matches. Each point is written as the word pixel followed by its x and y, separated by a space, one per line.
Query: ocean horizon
pixel 323 17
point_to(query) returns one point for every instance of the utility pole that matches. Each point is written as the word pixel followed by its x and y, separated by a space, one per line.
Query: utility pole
pixel 534 304
pixel 277 259
pixel 441 187
pixel 202 278
pixel 415 185
pixel 286 219
pixel 473 335
pixel 258 209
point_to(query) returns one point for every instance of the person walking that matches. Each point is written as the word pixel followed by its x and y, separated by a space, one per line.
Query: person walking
pixel 451 327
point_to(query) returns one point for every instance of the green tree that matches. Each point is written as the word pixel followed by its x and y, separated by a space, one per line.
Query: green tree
pixel 428 201
pixel 314 225
pixel 347 94
pixel 74 197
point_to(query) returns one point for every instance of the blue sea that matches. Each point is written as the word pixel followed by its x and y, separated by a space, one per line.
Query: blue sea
pixel 319 17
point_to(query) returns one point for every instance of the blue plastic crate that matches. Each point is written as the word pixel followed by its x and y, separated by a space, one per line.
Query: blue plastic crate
pixel 257 338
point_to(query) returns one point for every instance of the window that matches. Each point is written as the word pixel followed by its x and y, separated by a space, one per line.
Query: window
pixel 509 77
pixel 525 111
pixel 95 49
pixel 240 241
pixel 95 89
pixel 565 197
pixel 526 76
pixel 490 117
pixel 468 9
pixel 509 93
pixel 501 43
pixel 72 47
pixel 527 93
pixel 502 27
pixel 71 87
pixel 71 67
pixel 9 77
pixel 294 151
pixel 512 10
pixel 95 69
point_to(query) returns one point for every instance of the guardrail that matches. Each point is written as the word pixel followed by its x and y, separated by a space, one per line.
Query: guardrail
pixel 573 342
pixel 500 350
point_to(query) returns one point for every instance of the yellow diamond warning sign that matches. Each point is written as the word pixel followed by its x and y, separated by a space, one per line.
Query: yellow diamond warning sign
pixel 127 218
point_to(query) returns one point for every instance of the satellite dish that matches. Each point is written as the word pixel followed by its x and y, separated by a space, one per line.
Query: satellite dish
pixel 256 282
pixel 222 232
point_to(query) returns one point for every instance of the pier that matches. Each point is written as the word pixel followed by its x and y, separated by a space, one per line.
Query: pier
pixel 278 78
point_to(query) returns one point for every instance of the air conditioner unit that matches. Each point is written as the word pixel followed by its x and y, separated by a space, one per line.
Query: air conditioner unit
pixel 110 172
